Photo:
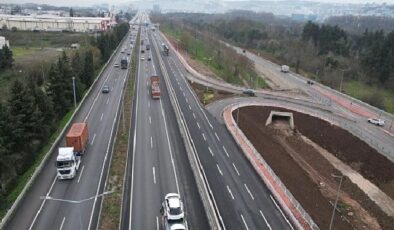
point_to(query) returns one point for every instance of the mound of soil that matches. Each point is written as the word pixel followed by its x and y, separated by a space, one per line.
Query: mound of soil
pixel 308 175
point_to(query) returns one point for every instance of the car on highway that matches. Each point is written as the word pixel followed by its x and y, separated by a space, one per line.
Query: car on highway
pixel 149 58
pixel 249 92
pixel 105 89
pixel 172 207
pixel 376 121
pixel 142 58
pixel 116 65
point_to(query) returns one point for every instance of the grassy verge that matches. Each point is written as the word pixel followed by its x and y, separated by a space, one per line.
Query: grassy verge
pixel 200 52
pixel 365 92
pixel 22 180
pixel 110 214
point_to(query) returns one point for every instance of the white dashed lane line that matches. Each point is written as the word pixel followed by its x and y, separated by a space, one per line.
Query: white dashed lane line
pixel 250 193
pixel 229 191
pixel 236 170
pixel 220 171
pixel 225 150
pixel 203 135
pixel 243 220
pixel 217 137
pixel 266 222
pixel 198 124
pixel 210 151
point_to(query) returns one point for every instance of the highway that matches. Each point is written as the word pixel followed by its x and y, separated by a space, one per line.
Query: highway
pixel 157 162
pixel 101 112
pixel 243 200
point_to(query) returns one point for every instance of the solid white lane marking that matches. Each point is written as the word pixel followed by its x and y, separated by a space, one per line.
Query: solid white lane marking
pixel 220 171
pixel 194 115
pixel 107 101
pixel 169 146
pixel 80 175
pixel 154 175
pixel 151 142
pixel 157 223
pixel 247 189
pixel 210 151
pixel 203 135
pixel 225 150
pixel 266 222
pixel 236 170
pixel 229 191
pixel 42 204
pixel 217 137
pixel 281 212
pixel 61 225
pixel 101 118
pixel 198 124
pixel 94 137
pixel 150 120
pixel 243 220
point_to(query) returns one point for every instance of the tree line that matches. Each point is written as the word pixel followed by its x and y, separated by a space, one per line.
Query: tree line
pixel 323 52
pixel 35 107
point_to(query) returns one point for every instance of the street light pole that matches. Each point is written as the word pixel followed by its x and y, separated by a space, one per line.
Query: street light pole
pixel 75 96
pixel 343 73
pixel 78 202
pixel 336 199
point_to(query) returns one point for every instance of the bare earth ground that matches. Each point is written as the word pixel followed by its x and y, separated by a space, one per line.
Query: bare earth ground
pixel 217 94
pixel 308 174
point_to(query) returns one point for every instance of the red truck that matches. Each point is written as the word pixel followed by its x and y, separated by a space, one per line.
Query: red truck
pixel 78 137
pixel 155 87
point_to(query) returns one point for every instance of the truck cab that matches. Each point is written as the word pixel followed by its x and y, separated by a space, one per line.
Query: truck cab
pixel 67 163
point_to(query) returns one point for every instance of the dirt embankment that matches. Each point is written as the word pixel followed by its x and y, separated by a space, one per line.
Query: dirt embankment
pixel 308 174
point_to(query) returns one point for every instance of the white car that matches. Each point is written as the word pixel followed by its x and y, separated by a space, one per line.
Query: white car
pixel 116 65
pixel 376 121
pixel 142 58
pixel 173 207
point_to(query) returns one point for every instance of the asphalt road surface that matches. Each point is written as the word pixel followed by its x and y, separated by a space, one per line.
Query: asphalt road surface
pixel 101 112
pixel 244 201
pixel 157 162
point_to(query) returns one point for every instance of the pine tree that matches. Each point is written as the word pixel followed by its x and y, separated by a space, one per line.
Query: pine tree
pixel 21 105
pixel 88 69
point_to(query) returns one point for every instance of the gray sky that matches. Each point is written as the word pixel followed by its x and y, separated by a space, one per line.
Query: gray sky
pixel 91 2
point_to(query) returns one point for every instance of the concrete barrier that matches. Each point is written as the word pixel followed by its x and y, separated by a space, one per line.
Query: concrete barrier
pixel 298 216
pixel 211 210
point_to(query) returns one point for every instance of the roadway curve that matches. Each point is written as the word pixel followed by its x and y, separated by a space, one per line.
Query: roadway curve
pixel 243 201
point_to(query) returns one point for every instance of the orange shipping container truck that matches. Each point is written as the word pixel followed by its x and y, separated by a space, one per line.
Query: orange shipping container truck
pixel 78 137
pixel 155 87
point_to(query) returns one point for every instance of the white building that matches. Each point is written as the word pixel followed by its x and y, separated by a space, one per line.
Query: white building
pixel 3 42
pixel 55 23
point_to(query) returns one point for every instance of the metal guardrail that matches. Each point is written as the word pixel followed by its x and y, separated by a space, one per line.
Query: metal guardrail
pixel 277 180
pixel 208 200
pixel 38 169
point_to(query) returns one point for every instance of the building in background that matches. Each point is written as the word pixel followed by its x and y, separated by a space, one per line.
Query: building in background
pixel 55 23
pixel 3 42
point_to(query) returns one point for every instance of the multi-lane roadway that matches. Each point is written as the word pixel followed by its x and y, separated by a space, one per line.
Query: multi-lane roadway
pixel 243 200
pixel 101 112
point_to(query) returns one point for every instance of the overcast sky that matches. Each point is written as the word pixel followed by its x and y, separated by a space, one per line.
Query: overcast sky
pixel 90 2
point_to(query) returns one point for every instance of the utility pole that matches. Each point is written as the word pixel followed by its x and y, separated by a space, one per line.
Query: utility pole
pixel 75 96
pixel 343 73
pixel 336 199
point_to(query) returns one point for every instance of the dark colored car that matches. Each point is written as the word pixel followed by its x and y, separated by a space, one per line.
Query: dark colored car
pixel 105 89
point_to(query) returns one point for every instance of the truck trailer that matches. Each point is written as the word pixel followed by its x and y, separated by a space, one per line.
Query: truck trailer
pixel 69 157
pixel 155 87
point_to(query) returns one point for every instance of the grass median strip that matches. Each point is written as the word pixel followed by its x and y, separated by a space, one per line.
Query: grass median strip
pixel 110 214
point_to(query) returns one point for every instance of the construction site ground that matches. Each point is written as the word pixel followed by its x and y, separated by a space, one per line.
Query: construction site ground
pixel 299 163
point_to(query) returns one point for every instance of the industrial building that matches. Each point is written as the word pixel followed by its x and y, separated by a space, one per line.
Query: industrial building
pixel 55 23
